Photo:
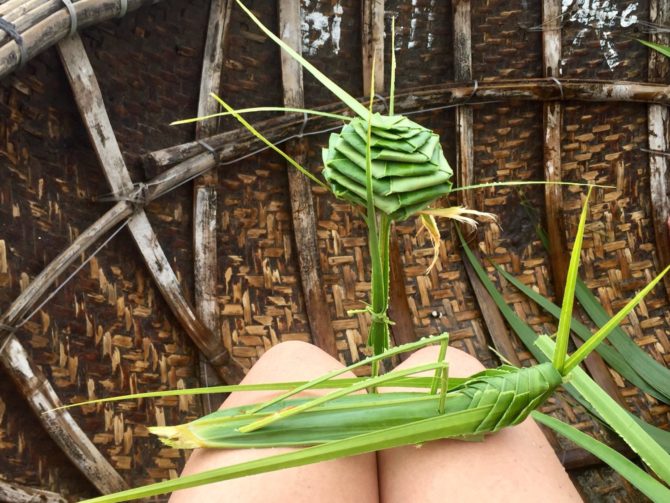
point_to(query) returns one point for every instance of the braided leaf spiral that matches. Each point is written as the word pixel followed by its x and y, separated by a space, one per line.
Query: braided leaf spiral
pixel 409 170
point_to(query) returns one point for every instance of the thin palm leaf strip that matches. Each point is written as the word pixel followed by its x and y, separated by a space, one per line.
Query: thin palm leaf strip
pixel 610 354
pixel 529 338
pixel 653 372
pixel 644 482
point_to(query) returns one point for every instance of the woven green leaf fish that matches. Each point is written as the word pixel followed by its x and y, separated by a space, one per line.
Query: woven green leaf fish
pixel 408 167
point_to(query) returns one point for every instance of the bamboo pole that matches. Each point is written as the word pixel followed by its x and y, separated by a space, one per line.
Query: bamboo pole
pixel 442 95
pixel 300 192
pixel 465 169
pixel 60 425
pixel 89 101
pixel 659 12
pixel 205 267
pixel 552 123
pixel 41 34
pixel 558 247
pixel 372 28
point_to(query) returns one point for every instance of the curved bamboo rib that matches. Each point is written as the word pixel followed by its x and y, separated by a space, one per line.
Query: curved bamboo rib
pixel 30 380
pixel 427 98
pixel 23 494
pixel 59 424
pixel 48 23
pixel 89 101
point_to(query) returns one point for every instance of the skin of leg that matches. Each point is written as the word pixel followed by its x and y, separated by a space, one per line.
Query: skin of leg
pixel 514 464
pixel 350 479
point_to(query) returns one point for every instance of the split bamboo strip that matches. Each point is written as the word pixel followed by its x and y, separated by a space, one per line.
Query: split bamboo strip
pixel 300 191
pixel 372 27
pixel 60 425
pixel 41 33
pixel 399 311
pixel 89 101
pixel 552 121
pixel 659 69
pixel 465 166
pixel 17 493
pixel 205 190
pixel 442 95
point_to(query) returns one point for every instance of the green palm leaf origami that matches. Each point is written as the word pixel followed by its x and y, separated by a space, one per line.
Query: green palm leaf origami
pixel 409 170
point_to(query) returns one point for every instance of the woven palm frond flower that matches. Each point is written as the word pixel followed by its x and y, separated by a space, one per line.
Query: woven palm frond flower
pixel 409 170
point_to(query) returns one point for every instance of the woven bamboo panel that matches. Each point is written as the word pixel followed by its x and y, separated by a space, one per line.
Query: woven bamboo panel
pixel 424 41
pixel 601 43
pixel 259 294
pixel 502 45
pixel 109 332
pixel 28 456
pixel 148 65
pixel 331 40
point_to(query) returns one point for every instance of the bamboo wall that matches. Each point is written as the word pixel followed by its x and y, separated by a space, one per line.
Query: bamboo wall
pixel 108 331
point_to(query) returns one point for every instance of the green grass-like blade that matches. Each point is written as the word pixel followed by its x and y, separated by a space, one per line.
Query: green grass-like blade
pixel 344 96
pixel 378 336
pixel 455 424
pixel 411 346
pixel 644 482
pixel 290 387
pixel 243 111
pixel 563 332
pixel 372 382
pixel 393 69
pixel 529 337
pixel 616 417
pixel 644 364
pixel 330 380
pixel 656 374
pixel 611 324
pixel 611 355
pixel 663 49
pixel 529 182
pixel 258 135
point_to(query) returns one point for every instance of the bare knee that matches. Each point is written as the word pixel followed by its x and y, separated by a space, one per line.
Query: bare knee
pixel 461 364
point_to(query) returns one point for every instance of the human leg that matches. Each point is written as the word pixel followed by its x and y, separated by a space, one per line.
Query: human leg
pixel 515 464
pixel 350 479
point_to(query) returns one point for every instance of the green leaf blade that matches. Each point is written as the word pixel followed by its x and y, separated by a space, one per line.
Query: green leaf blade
pixel 563 332
pixel 644 482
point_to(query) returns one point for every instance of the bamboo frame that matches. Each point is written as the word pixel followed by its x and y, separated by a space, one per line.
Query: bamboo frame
pixel 300 191
pixel 442 95
pixel 46 25
pixel 18 493
pixel 659 12
pixel 205 264
pixel 89 101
